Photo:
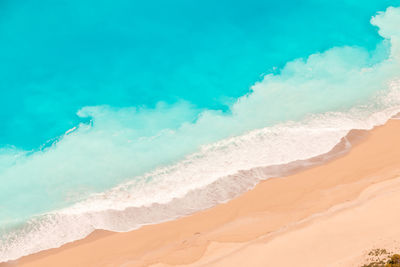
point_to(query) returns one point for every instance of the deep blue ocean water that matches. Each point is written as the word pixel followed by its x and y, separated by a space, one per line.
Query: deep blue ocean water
pixel 95 94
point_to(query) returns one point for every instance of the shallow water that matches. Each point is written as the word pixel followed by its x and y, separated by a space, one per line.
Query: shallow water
pixel 109 106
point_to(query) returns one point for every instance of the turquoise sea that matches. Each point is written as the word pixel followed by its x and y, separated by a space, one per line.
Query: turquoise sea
pixel 116 114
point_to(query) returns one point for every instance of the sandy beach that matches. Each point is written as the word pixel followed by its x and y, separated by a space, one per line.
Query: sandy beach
pixel 327 215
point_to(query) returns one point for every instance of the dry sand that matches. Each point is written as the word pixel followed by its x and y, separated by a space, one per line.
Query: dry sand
pixel 328 215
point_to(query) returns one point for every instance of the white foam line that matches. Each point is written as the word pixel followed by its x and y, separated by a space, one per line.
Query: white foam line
pixel 207 178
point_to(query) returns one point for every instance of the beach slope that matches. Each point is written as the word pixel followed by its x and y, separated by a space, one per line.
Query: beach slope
pixel 327 215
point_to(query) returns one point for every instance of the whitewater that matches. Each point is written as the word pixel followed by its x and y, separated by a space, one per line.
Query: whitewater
pixel 298 113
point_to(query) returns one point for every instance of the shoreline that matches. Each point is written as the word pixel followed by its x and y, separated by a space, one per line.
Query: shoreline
pixel 271 207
